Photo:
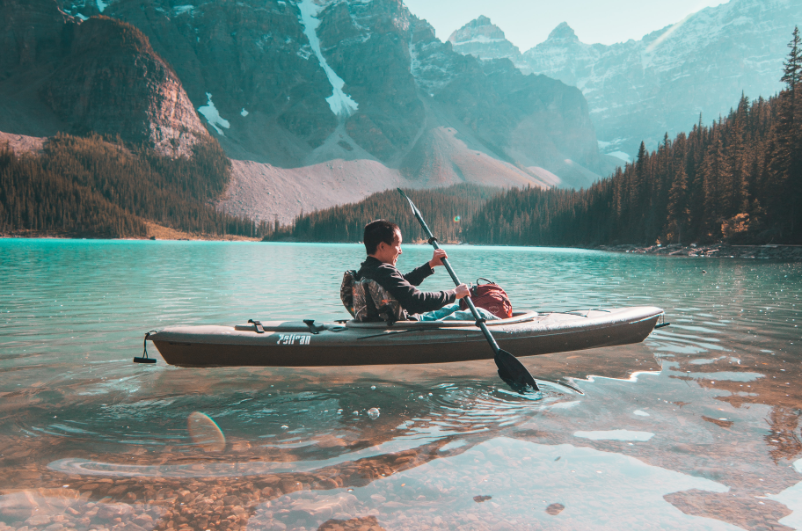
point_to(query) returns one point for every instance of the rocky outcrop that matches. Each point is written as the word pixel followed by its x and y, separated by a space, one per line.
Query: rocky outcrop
pixel 31 34
pixel 252 60
pixel 111 82
pixel 367 44
pixel 99 75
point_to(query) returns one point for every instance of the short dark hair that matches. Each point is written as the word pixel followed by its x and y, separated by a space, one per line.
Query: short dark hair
pixel 379 231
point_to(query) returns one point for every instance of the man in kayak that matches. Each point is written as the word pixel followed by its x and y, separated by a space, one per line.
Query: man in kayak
pixel 383 244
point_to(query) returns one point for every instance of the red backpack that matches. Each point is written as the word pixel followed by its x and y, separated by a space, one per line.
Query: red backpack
pixel 491 297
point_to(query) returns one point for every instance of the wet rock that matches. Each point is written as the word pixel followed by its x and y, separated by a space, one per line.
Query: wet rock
pixel 724 423
pixel 38 520
pixel 738 508
pixel 555 508
pixel 366 523
pixel 480 499
pixel 288 486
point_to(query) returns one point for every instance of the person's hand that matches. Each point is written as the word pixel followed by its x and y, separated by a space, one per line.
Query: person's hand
pixel 437 258
pixel 462 291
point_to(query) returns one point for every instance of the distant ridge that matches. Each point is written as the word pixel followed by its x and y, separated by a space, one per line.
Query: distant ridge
pixel 639 90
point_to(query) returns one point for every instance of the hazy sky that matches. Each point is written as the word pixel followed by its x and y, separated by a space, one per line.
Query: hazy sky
pixel 528 22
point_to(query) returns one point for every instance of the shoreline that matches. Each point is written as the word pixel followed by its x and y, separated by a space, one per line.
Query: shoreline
pixel 719 250
pixel 155 232
pixel 769 251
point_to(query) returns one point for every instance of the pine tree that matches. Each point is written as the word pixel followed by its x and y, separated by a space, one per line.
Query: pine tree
pixel 793 65
pixel 792 76
pixel 677 207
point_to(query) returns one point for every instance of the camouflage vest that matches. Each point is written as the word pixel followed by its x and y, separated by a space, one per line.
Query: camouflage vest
pixel 367 301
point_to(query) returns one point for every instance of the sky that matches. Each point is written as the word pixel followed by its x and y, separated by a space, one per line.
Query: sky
pixel 529 22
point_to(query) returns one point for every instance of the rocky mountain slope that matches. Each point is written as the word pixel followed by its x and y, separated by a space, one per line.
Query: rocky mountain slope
pixel 639 90
pixel 318 101
pixel 58 73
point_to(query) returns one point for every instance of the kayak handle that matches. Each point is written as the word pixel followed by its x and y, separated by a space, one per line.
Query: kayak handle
pixel 145 358
pixel 257 326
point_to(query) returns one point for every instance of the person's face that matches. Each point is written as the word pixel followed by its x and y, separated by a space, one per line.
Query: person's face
pixel 388 253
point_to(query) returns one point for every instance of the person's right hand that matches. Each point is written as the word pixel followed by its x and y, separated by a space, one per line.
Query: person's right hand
pixel 462 291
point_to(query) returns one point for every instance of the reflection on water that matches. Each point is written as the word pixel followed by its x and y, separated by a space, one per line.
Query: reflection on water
pixel 696 428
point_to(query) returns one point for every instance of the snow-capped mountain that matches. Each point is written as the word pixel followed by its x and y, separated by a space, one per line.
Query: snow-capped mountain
pixel 640 90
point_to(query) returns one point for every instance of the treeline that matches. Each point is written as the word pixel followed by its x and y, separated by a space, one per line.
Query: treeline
pixel 446 211
pixel 738 180
pixel 96 187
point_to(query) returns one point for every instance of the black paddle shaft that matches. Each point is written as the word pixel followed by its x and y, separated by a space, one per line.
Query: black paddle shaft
pixel 433 242
pixel 511 370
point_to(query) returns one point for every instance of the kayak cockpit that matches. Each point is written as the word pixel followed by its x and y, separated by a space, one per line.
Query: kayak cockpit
pixel 517 317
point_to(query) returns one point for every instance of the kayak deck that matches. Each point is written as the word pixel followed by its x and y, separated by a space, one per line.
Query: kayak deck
pixel 297 344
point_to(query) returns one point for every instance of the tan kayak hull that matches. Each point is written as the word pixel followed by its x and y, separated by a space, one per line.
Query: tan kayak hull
pixel 291 343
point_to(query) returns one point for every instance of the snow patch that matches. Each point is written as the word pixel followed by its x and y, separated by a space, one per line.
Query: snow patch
pixel 620 155
pixel 180 10
pixel 209 111
pixel 101 5
pixel 340 103
pixel 615 435
pixel 480 39
pixel 304 52
pixel 78 15
pixel 243 112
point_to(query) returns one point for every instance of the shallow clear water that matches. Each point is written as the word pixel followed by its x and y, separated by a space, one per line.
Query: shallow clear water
pixel 696 428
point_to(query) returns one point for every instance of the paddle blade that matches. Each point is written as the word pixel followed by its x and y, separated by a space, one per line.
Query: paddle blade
pixel 514 373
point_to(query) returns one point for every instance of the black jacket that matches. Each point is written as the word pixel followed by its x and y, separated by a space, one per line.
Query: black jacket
pixel 402 287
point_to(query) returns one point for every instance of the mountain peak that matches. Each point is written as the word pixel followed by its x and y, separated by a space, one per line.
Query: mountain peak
pixel 480 21
pixel 563 32
pixel 479 28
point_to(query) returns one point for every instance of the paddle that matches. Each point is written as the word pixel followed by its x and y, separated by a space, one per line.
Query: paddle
pixel 510 369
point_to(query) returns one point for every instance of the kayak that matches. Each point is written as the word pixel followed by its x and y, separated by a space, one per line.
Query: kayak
pixel 309 344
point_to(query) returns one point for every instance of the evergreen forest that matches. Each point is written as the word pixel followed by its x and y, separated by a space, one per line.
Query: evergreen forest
pixel 445 210
pixel 738 180
pixel 90 186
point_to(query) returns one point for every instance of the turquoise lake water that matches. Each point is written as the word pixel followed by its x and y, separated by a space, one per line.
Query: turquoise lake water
pixel 698 427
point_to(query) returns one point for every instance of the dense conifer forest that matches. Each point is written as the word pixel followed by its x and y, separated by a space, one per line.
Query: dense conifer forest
pixel 738 180
pixel 445 210
pixel 94 187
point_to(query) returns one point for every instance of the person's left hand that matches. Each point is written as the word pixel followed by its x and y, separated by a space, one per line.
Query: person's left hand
pixel 437 258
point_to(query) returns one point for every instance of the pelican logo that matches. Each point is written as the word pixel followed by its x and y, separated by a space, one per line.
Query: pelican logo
pixel 292 339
